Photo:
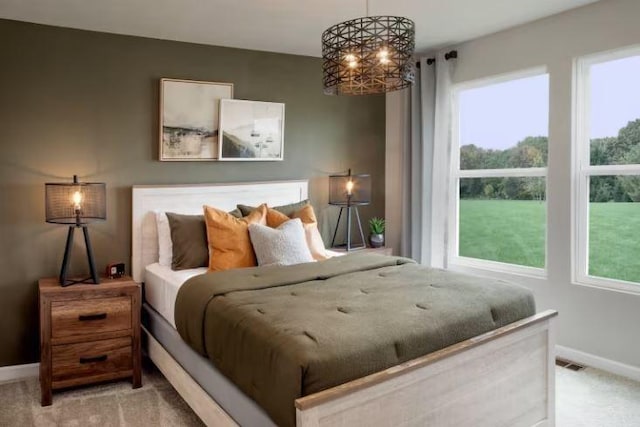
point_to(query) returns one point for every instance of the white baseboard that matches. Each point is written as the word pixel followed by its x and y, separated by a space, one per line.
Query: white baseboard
pixel 598 362
pixel 16 372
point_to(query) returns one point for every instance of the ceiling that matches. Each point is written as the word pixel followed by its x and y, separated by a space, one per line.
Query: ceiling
pixel 287 26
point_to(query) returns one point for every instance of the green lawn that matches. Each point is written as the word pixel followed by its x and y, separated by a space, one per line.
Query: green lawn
pixel 514 232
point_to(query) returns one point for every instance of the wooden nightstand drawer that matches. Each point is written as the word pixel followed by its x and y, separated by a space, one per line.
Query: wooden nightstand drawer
pixel 90 316
pixel 75 364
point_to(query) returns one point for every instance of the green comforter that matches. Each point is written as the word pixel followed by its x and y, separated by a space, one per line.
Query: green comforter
pixel 280 333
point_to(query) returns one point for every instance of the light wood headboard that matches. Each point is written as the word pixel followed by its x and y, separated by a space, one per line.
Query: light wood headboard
pixel 189 199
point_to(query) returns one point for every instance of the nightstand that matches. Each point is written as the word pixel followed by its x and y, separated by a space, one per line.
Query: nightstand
pixel 383 250
pixel 88 333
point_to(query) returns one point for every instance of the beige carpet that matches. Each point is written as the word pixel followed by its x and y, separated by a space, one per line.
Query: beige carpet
pixel 586 398
pixel 593 398
pixel 156 403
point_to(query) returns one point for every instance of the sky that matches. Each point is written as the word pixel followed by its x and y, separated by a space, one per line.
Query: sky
pixel 615 96
pixel 500 115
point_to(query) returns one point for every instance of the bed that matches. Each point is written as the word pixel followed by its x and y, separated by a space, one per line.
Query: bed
pixel 501 377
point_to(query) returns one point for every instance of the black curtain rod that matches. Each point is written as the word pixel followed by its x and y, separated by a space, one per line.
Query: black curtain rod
pixel 447 56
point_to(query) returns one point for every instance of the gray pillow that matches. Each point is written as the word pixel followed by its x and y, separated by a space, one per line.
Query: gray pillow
pixel 236 212
pixel 285 245
pixel 288 210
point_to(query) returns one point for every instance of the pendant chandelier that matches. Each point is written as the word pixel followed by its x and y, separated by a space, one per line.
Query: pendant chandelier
pixel 368 55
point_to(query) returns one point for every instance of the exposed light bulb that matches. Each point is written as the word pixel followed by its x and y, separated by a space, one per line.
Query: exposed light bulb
pixel 350 57
pixel 383 55
pixel 77 200
pixel 349 187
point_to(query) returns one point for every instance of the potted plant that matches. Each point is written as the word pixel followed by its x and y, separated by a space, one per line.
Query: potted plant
pixel 376 226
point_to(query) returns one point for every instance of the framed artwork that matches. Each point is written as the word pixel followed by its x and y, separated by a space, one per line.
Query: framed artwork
pixel 189 125
pixel 251 130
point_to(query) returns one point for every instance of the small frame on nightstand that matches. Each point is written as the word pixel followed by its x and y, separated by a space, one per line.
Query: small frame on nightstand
pixel 88 334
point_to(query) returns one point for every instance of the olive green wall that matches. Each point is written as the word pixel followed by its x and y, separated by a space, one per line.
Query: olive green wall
pixel 86 103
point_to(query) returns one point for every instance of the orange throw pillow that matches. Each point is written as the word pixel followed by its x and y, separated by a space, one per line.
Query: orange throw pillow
pixel 275 218
pixel 310 223
pixel 228 238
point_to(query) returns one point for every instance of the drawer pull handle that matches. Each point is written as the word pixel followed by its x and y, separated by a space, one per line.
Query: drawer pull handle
pixel 93 359
pixel 99 316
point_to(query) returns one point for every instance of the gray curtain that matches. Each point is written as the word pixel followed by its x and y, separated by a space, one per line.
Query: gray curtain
pixel 427 107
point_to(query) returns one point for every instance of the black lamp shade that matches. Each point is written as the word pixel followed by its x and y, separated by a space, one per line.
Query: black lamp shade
pixel 350 190
pixel 75 203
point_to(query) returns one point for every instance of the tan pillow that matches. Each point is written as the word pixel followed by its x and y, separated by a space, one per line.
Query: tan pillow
pixel 306 215
pixel 310 224
pixel 228 237
pixel 275 218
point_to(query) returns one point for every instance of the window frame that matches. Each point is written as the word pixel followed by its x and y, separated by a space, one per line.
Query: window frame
pixel 583 170
pixel 453 259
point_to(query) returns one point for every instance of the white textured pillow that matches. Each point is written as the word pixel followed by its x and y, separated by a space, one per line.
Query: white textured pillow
pixel 165 245
pixel 285 245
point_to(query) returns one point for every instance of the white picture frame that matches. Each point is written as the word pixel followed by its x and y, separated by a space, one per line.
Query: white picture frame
pixel 251 130
pixel 189 119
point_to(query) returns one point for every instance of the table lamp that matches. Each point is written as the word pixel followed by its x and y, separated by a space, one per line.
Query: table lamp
pixel 76 204
pixel 349 191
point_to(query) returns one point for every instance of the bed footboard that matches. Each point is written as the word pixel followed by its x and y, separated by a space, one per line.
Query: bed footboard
pixel 503 377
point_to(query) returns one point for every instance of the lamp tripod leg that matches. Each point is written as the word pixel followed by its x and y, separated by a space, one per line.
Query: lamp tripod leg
pixel 333 241
pixel 348 228
pixel 67 257
pixel 360 227
pixel 92 264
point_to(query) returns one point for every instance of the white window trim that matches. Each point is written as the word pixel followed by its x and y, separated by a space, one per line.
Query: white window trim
pixel 582 170
pixel 499 267
pixel 500 173
pixel 453 260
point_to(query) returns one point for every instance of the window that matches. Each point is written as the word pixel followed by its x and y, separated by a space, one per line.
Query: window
pixel 607 185
pixel 498 182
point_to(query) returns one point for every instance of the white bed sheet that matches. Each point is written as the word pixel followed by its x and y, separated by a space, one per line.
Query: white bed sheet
pixel 161 287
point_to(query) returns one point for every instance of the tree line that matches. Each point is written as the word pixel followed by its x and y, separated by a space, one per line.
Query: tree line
pixel 533 152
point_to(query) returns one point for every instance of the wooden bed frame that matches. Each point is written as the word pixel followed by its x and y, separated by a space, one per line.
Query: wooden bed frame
pixel 503 377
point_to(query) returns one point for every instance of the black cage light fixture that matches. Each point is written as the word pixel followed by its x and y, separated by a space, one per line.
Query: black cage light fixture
pixel 349 191
pixel 76 204
pixel 368 55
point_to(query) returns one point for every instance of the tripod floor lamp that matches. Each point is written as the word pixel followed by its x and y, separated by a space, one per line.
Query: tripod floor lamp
pixel 76 204
pixel 349 191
